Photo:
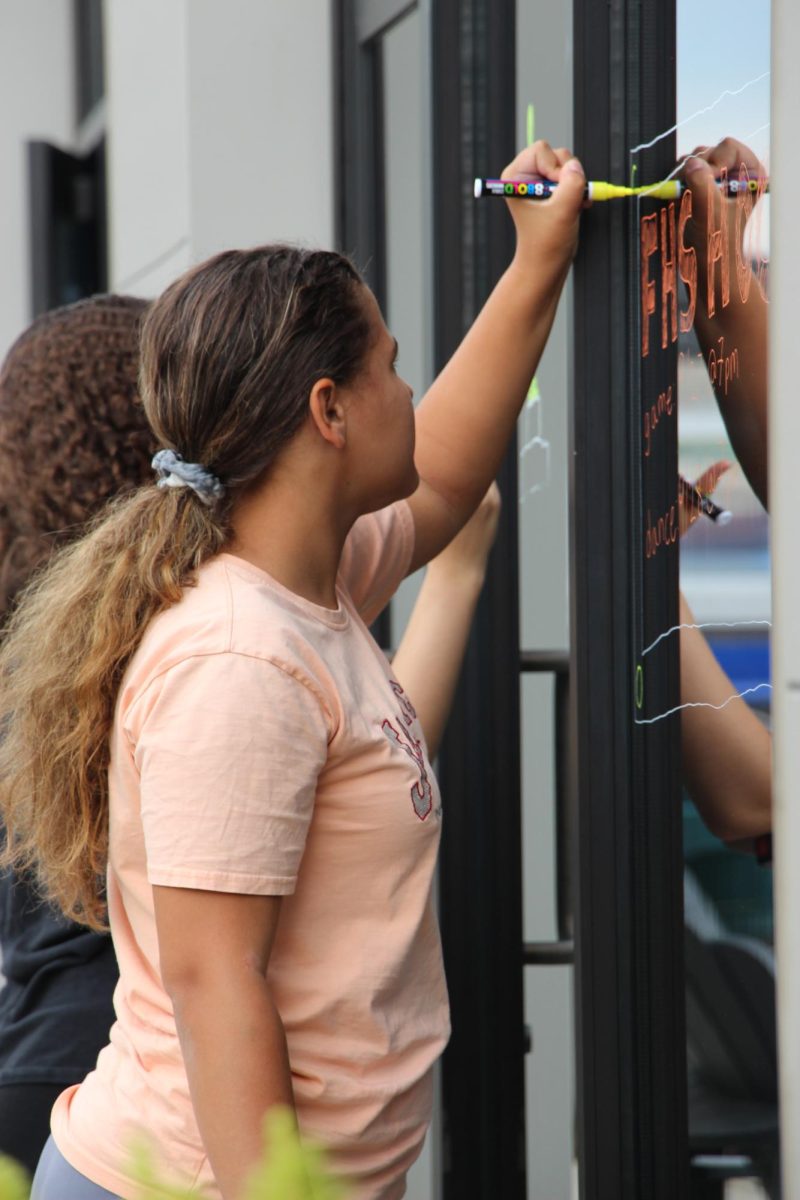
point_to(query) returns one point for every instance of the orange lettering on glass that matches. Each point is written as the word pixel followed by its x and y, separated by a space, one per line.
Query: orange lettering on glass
pixel 763 262
pixel 648 235
pixel 687 263
pixel 717 240
pixel 723 365
pixel 669 277
pixel 664 533
pixel 654 414
pixel 744 209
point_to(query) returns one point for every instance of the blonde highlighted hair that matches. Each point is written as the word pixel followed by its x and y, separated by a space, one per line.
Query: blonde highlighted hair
pixel 229 355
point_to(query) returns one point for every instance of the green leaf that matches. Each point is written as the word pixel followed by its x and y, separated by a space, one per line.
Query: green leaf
pixel 149 1185
pixel 293 1168
pixel 14 1181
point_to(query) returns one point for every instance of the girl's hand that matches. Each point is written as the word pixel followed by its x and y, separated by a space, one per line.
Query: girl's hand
pixel 547 230
pixel 729 155
pixel 699 172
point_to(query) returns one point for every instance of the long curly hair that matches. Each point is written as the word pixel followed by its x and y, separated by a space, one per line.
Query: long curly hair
pixel 229 354
pixel 73 432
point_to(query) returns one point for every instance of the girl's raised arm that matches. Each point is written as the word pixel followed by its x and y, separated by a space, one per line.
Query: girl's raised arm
pixel 467 417
pixel 428 659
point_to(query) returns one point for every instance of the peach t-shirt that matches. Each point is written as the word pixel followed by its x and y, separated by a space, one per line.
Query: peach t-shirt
pixel 261 745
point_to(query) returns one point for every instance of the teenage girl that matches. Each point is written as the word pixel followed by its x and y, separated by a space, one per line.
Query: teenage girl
pixel 72 435
pixel 191 703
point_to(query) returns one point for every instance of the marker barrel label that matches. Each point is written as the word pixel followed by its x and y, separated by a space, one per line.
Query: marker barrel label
pixel 537 189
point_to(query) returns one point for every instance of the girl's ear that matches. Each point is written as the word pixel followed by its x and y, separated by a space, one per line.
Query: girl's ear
pixel 328 412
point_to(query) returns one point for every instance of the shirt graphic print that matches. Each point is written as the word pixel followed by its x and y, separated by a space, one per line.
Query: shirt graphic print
pixel 402 733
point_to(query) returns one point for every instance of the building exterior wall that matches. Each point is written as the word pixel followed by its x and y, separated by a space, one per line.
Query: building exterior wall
pixel 219 122
pixel 147 105
pixel 220 131
pixel 36 102
pixel 784 436
pixel 261 123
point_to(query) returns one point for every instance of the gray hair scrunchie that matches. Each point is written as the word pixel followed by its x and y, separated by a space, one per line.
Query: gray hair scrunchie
pixel 176 473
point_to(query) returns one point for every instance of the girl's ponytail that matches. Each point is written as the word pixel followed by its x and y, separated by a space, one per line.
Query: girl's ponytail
pixel 63 656
pixel 229 356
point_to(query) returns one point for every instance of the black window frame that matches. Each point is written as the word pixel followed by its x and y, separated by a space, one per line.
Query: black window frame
pixel 627 865
pixel 67 224
pixel 483 1072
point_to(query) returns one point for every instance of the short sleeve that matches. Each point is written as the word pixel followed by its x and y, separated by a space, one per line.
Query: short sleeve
pixel 376 557
pixel 228 748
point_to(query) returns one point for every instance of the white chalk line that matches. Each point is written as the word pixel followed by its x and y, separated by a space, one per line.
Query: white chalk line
pixel 704 625
pixel 753 132
pixel 702 704
pixel 676 171
pixel 700 112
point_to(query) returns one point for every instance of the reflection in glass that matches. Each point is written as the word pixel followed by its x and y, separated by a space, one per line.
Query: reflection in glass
pixel 723 89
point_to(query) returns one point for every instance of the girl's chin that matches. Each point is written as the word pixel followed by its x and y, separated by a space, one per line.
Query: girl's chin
pixel 402 489
pixel 411 485
pixel 413 475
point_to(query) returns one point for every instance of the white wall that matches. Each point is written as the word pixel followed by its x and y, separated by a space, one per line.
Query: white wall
pixel 220 131
pixel 261 135
pixel 36 102
pixel 148 143
pixel 219 122
pixel 784 418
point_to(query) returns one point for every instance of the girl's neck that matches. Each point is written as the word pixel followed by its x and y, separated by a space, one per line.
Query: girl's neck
pixel 293 533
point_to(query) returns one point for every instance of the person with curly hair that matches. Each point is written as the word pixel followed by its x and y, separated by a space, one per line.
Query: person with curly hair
pixel 73 434
pixel 192 706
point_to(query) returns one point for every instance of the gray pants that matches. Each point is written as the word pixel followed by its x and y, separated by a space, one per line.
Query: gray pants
pixel 55 1179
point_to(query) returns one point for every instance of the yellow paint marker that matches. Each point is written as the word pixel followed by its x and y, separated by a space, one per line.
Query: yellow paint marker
pixel 543 189
pixel 670 189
